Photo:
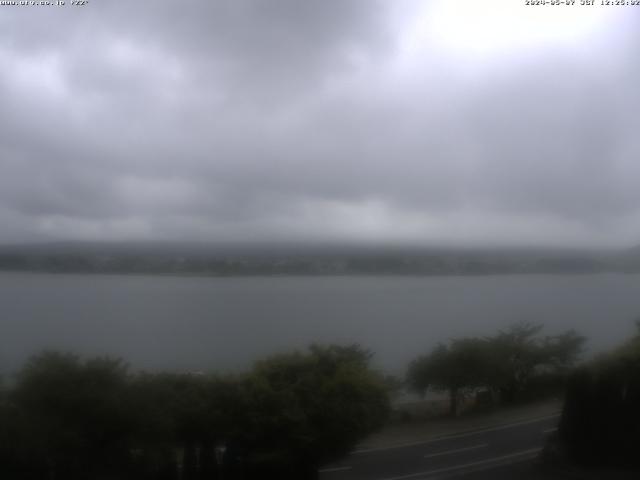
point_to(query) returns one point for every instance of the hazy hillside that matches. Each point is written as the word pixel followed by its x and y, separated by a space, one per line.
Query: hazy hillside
pixel 200 259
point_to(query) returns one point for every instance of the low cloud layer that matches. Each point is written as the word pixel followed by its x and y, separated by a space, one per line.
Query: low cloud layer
pixel 349 121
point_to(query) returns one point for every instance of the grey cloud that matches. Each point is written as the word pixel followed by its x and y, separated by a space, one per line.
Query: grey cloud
pixel 286 119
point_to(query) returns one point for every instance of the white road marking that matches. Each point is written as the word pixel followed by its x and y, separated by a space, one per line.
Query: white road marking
pixel 457 450
pixel 453 436
pixel 503 460
pixel 334 469
pixel 550 430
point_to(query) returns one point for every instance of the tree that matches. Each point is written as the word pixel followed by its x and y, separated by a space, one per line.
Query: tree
pixel 182 418
pixel 504 363
pixel 310 408
pixel 90 419
pixel 519 353
pixel 459 365
pixel 600 421
pixel 72 415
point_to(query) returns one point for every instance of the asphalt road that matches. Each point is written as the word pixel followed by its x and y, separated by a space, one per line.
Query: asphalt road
pixel 499 452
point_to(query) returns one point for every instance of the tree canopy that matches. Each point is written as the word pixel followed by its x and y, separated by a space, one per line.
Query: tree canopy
pixel 69 418
pixel 452 367
pixel 503 363
pixel 600 421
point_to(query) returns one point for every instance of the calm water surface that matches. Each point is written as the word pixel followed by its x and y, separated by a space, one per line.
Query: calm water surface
pixel 226 323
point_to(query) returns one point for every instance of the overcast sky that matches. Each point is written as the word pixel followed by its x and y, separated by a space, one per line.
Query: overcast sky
pixel 414 122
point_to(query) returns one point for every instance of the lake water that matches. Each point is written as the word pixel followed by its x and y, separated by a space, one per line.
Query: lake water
pixel 192 323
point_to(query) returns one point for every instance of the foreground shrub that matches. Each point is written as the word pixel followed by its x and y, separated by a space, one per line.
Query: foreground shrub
pixel 70 419
pixel 600 423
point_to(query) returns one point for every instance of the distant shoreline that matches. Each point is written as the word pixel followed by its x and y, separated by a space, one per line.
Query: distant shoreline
pixel 314 275
pixel 312 262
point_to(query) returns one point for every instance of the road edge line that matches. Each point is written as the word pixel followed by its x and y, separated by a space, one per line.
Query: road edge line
pixel 455 435
pixel 489 462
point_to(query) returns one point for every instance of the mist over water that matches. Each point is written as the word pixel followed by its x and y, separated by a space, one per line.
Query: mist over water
pixel 224 324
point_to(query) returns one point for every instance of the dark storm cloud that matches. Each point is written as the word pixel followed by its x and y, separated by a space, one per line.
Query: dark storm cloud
pixel 283 119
